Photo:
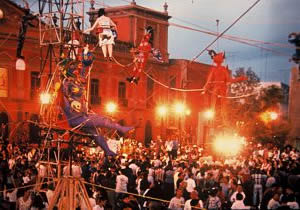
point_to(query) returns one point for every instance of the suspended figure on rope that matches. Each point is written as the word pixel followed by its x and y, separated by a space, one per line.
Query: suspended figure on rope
pixel 218 80
pixel 73 96
pixel 23 29
pixel 106 30
pixel 140 56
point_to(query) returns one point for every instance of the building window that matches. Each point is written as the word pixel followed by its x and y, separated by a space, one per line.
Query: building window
pixel 149 93
pixel 19 116
pixel 35 84
pixel 122 94
pixel 151 31
pixel 95 99
pixel 172 81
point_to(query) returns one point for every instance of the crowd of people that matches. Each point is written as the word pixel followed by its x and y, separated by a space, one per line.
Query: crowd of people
pixel 164 175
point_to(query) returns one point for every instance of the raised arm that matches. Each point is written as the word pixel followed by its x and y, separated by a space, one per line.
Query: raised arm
pixel 237 79
pixel 112 23
pixel 93 27
pixel 209 79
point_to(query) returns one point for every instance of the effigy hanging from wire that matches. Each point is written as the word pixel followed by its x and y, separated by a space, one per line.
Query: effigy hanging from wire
pixel 106 30
pixel 218 80
pixel 141 55
pixel 72 88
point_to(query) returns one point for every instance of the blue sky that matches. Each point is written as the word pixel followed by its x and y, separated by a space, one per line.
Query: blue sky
pixel 269 21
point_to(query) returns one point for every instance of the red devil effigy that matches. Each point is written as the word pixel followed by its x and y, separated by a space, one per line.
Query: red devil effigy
pixel 218 80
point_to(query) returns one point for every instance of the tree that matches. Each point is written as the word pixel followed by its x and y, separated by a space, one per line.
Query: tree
pixel 248 101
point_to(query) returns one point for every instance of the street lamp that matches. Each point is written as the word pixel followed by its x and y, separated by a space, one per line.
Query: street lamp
pixel 162 111
pixel 45 98
pixel 269 116
pixel 208 115
pixel 273 115
pixel 187 112
pixel 179 108
pixel 111 107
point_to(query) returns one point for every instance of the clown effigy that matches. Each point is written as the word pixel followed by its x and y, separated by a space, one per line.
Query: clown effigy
pixel 74 100
pixel 140 57
pixel 218 80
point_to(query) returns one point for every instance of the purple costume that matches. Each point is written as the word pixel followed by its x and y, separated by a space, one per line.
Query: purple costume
pixel 73 94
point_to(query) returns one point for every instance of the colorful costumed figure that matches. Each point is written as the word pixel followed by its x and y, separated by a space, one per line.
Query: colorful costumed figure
pixel 141 55
pixel 73 104
pixel 106 30
pixel 218 80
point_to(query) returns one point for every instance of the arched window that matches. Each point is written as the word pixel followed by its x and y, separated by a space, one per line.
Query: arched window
pixel 151 31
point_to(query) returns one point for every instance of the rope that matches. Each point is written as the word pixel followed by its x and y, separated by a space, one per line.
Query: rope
pixel 134 194
pixel 225 30
pixel 122 65
pixel 233 97
pixel 8 36
pixel 199 90
pixel 27 186
pixel 171 88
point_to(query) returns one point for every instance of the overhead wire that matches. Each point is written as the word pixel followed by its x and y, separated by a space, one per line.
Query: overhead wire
pixel 210 32
pixel 227 29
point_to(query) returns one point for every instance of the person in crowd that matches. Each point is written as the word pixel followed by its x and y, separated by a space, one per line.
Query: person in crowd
pixel 259 179
pixel 189 203
pixel 238 190
pixel 238 203
pixel 213 202
pixel 274 202
pixel 121 183
pixel 217 180
pixel 24 202
pixel 177 202
pixel 190 183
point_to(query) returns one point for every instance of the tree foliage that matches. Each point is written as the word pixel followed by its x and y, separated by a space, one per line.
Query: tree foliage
pixel 245 112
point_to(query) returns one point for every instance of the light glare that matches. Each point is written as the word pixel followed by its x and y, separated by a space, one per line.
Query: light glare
pixel 45 98
pixel 162 110
pixel 111 107
pixel 228 145
pixel 179 108
pixel 209 114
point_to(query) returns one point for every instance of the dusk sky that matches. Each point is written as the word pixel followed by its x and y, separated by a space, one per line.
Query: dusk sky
pixel 269 21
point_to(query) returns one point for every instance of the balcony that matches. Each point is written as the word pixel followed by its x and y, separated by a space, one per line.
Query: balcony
pixel 95 100
pixel 123 102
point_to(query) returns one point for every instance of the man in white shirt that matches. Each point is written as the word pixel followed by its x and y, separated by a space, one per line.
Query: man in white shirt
pixel 190 183
pixel 178 171
pixel 121 183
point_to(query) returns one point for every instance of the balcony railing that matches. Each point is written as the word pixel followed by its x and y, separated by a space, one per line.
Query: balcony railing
pixel 95 100
pixel 123 102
